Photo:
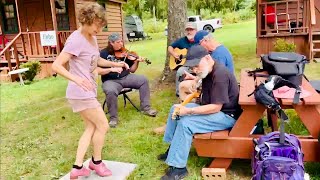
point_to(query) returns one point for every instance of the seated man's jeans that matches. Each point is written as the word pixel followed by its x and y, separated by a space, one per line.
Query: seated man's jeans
pixel 179 133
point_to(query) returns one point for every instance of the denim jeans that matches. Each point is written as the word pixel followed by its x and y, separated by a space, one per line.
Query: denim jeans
pixel 180 133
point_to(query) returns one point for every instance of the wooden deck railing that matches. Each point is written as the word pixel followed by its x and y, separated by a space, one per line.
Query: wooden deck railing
pixel 283 17
pixel 9 53
pixel 34 48
pixel 63 36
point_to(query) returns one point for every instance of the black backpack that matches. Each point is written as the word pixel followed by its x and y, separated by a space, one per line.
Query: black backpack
pixel 288 65
pixel 264 95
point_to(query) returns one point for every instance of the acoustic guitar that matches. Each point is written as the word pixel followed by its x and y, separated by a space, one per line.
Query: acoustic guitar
pixel 196 94
pixel 176 63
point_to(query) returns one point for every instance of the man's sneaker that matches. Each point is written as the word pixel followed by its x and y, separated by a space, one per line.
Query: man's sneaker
pixel 113 123
pixel 173 173
pixel 75 173
pixel 163 157
pixel 101 169
pixel 150 112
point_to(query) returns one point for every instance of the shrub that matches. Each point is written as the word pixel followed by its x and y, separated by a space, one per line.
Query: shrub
pixel 282 45
pixel 150 27
pixel 34 69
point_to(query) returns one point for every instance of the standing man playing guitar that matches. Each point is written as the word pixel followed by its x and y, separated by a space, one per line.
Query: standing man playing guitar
pixel 117 79
pixel 182 43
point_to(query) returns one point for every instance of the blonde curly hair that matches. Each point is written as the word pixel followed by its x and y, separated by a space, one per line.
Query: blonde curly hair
pixel 91 12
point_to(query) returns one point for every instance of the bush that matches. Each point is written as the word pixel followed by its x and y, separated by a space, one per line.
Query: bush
pixel 34 69
pixel 282 45
pixel 150 27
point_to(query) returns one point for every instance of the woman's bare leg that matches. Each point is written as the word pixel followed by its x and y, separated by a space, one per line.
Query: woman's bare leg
pixel 98 118
pixel 85 139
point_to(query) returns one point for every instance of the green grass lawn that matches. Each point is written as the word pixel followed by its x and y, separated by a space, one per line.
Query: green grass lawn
pixel 39 132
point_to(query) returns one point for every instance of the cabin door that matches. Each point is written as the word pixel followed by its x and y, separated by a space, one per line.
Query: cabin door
pixel 35 15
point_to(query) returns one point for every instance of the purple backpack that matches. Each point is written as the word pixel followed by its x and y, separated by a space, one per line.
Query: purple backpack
pixel 273 160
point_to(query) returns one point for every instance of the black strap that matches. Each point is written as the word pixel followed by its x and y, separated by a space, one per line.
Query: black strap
pixel 296 97
pixel 283 117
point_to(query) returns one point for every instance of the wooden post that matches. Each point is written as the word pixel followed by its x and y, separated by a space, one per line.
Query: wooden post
pixel 124 35
pixel 54 22
pixel 18 17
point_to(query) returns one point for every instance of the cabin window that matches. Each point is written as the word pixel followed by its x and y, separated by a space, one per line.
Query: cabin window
pixel 62 15
pixel 9 17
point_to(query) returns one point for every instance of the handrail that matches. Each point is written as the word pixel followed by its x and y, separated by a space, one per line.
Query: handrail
pixel 278 2
pixel 312 12
pixel 10 44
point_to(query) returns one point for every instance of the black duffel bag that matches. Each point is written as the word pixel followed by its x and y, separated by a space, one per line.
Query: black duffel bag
pixel 288 65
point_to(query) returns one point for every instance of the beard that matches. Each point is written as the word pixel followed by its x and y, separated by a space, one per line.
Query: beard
pixel 204 73
pixel 190 37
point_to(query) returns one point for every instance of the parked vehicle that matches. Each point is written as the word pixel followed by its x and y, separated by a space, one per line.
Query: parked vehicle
pixel 208 25
pixel 134 29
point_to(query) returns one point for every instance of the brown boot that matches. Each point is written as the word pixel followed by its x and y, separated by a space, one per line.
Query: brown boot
pixel 160 130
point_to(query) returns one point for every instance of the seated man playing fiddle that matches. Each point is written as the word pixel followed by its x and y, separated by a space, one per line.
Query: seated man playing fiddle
pixel 218 110
pixel 119 78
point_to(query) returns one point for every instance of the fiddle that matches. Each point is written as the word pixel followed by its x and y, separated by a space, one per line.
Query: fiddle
pixel 131 55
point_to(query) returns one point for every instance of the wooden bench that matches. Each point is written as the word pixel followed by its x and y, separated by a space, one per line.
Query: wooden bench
pixel 226 145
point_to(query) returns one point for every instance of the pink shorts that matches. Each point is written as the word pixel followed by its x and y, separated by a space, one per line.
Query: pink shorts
pixel 82 104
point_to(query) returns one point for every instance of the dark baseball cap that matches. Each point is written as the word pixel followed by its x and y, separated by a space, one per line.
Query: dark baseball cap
pixel 200 35
pixel 194 55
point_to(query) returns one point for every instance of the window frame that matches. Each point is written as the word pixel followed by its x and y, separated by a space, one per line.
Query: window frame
pixel 5 19
pixel 66 14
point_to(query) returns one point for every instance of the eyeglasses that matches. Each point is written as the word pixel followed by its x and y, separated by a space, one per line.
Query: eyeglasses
pixel 201 41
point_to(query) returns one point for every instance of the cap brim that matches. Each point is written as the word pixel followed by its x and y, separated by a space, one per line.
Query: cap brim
pixel 192 62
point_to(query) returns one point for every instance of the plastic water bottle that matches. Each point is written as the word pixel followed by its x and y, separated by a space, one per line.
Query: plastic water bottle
pixel 270 85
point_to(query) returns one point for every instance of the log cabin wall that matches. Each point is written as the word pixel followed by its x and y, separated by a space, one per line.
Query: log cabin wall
pixel 266 45
pixel 114 18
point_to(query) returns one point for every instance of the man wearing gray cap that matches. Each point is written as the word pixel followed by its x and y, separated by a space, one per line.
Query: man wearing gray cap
pixel 183 43
pixel 218 110
pixel 120 78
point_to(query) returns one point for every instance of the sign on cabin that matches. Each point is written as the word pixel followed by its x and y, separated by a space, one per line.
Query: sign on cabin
pixel 48 38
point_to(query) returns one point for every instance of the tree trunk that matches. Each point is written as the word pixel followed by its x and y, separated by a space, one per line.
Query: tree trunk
pixel 177 16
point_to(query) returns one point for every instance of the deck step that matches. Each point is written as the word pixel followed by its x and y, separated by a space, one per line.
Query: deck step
pixel 317 60
pixel 316 50
pixel 316 33
pixel 316 41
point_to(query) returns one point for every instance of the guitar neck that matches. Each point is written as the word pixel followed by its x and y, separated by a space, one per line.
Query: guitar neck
pixel 190 97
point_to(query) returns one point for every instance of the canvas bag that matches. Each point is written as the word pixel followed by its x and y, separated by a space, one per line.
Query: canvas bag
pixel 288 65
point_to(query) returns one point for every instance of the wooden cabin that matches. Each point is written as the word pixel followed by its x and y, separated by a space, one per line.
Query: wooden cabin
pixel 296 21
pixel 22 22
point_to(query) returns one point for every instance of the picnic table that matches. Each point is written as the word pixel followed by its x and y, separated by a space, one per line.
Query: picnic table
pixel 237 143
